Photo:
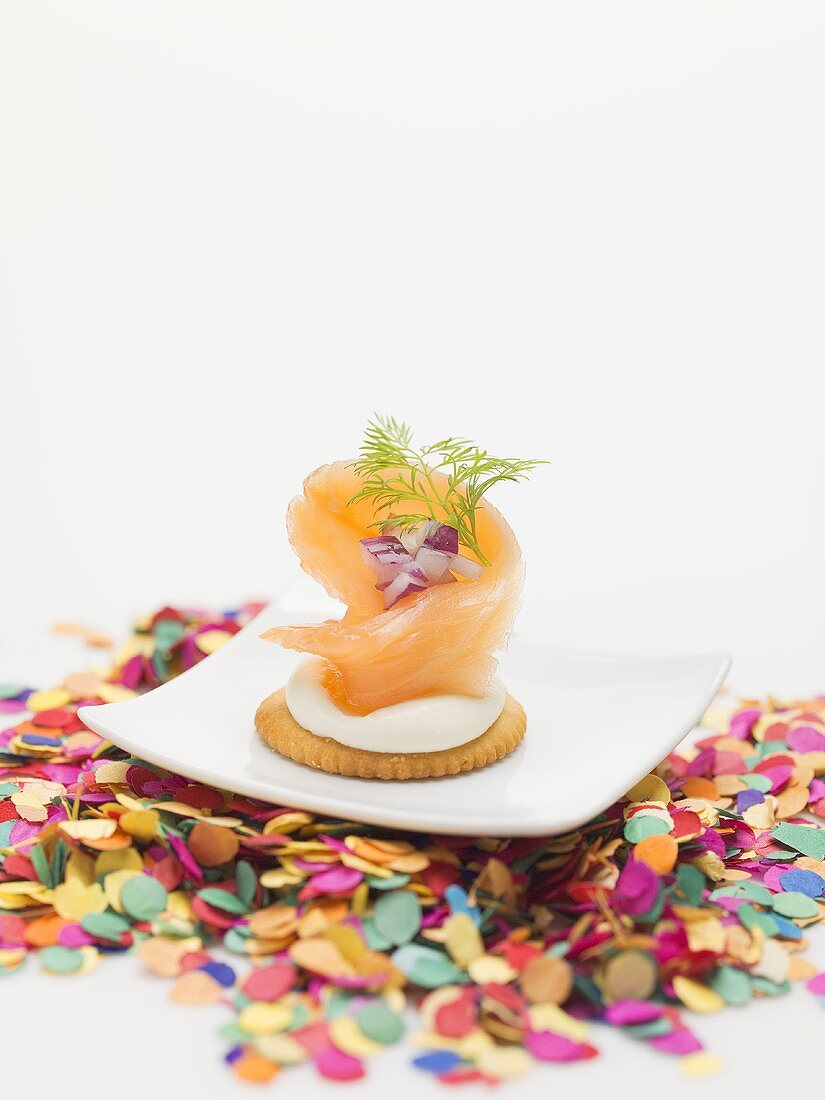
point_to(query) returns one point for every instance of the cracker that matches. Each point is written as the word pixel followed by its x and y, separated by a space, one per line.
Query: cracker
pixel 279 730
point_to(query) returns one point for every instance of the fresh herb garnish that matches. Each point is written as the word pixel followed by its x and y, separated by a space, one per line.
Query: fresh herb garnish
pixel 398 474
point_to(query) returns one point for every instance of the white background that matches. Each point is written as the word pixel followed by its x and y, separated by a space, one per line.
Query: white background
pixel 586 231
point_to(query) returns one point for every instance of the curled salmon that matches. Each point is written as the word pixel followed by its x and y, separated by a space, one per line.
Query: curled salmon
pixel 440 641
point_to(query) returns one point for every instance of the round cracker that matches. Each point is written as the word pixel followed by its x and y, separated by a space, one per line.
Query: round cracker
pixel 279 730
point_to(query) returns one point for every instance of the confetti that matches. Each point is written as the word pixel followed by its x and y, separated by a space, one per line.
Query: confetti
pixel 689 896
pixel 143 898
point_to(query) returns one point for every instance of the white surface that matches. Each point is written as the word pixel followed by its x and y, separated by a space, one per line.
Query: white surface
pixel 596 724
pixel 431 724
pixel 591 231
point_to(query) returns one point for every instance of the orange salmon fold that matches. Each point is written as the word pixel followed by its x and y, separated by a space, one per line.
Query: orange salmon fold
pixel 440 641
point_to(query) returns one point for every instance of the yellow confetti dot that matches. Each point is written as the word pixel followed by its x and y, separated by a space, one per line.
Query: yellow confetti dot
pixel 695 996
pixel 649 789
pixel 260 1018
pixel 95 828
pixel 491 968
pixel 348 942
pixel 114 883
pixel 141 824
pixel 112 772
pixel 178 905
pixel 506 1063
pixel 280 1048
pixel 550 1017
pixel 74 901
pixel 48 700
pixel 11 957
pixel 211 640
pixel 701 1064
pixel 347 1036
pixel 462 940
pixel 80 868
pixel 121 859
pixel 91 958
pixel 114 693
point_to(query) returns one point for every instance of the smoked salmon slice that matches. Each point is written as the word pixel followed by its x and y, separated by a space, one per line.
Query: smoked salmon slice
pixel 439 641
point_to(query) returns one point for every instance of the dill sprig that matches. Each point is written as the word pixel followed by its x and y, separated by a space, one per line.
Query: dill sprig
pixel 398 474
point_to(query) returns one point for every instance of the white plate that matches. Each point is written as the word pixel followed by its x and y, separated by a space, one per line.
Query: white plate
pixel 595 724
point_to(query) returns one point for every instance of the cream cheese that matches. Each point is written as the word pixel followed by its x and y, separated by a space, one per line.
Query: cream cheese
pixel 418 725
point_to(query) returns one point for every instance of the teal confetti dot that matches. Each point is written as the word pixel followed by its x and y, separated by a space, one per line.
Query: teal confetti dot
pixel 61 960
pixel 143 897
pixel 397 916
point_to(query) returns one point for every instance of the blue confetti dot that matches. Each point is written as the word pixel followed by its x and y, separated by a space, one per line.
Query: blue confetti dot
pixel 458 902
pixel 748 798
pixel 37 739
pixel 803 881
pixel 233 1055
pixel 222 973
pixel 786 928
pixel 437 1061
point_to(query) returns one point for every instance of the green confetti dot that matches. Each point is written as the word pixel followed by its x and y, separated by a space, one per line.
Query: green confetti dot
pixel 751 918
pixel 769 988
pixel 650 1030
pixel 373 938
pixel 397 916
pixel 644 825
pixel 379 1023
pixel 337 1004
pixel 427 967
pixel 757 782
pixel 246 882
pixel 751 891
pixel 222 899
pixel 234 940
pixel 105 926
pixel 732 985
pixel 393 882
pixel 61 960
pixel 809 840
pixel 11 691
pixel 794 904
pixel 691 882
pixel 143 897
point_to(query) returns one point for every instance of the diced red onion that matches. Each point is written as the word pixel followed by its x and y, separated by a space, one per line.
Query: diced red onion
pixel 384 550
pixel 412 540
pixel 385 574
pixel 442 537
pixel 403 585
pixel 435 563
pixel 465 567
pixel 380 542
pixel 412 561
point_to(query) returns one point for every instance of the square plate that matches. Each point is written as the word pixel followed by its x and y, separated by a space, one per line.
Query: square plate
pixel 595 725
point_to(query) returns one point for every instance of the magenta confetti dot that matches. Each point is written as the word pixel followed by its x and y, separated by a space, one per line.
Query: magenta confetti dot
pixel 338 1066
pixel 547 1046
pixel 678 1041
pixel 806 739
pixel 623 1013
